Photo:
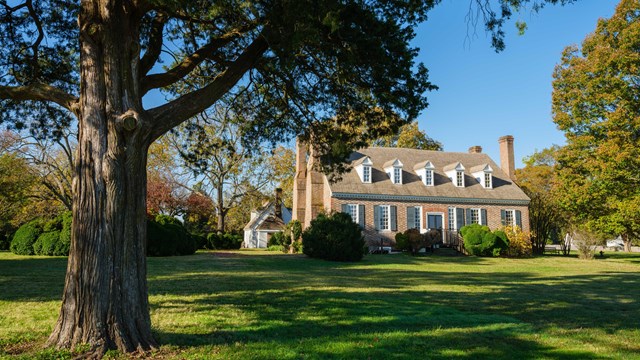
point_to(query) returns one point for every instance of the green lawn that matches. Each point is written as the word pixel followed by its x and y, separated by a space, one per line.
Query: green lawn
pixel 259 305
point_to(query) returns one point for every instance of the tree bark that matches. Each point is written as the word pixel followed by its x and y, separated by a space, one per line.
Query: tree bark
pixel 626 239
pixel 105 301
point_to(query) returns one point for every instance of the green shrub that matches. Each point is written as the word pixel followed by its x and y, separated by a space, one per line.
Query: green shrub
pixel 333 237
pixel 160 240
pixel 277 239
pixel 63 246
pixel 226 241
pixel 47 243
pixel 402 242
pixel 480 241
pixel 25 237
pixel 200 240
pixel 166 219
pixel 276 248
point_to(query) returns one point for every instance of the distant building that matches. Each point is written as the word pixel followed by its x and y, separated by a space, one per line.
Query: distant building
pixel 390 190
pixel 265 221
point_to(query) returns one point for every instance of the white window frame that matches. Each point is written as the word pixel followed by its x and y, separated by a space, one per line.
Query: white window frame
pixel 452 223
pixel 417 216
pixel 351 212
pixel 366 174
pixel 479 212
pixel 459 178
pixel 512 212
pixel 381 223
pixel 397 175
pixel 428 178
pixel 488 179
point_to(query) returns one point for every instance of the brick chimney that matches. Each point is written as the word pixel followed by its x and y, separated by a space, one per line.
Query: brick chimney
pixel 278 204
pixel 475 149
pixel 300 181
pixel 507 162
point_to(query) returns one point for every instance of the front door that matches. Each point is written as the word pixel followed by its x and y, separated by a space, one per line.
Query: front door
pixel 434 222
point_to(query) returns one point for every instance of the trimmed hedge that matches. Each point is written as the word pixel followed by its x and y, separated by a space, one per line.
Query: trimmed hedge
pixel 167 236
pixel 334 237
pixel 47 243
pixel 227 241
pixel 480 241
pixel 25 237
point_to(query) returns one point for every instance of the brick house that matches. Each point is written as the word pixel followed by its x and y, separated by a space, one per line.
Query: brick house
pixel 390 190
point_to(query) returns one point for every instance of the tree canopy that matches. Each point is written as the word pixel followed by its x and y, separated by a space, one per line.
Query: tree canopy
pixel 596 102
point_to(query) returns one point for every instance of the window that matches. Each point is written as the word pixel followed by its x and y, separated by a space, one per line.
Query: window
pixel 397 175
pixel 352 209
pixel 384 218
pixel 366 174
pixel 452 218
pixel 487 180
pixel 509 218
pixel 459 178
pixel 475 216
pixel 417 217
pixel 428 180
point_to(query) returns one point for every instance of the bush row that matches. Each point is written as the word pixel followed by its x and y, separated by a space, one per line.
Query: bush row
pixel 40 237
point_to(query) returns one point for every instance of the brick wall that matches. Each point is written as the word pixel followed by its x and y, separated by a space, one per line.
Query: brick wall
pixel 373 236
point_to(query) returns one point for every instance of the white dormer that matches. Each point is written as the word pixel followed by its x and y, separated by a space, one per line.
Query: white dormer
pixel 455 172
pixel 484 175
pixel 364 170
pixel 393 168
pixel 424 170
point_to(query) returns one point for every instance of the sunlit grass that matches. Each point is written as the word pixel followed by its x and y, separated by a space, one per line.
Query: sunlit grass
pixel 261 305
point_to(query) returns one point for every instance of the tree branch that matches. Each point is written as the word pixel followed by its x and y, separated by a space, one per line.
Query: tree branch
pixel 40 92
pixel 189 63
pixel 175 112
pixel 154 49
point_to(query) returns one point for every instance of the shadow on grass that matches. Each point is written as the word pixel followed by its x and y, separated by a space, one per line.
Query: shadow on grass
pixel 32 278
pixel 400 302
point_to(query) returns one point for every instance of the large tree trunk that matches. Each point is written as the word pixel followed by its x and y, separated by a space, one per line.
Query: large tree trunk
pixel 105 301
pixel 626 239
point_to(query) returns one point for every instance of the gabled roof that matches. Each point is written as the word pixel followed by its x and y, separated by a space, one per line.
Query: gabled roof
pixel 390 163
pixel 363 161
pixel 423 165
pixel 503 186
pixel 479 168
pixel 455 166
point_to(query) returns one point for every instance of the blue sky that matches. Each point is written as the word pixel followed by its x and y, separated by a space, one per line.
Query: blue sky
pixel 484 95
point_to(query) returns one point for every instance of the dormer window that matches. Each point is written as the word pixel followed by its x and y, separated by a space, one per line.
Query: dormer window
pixel 484 175
pixel 363 168
pixel 393 168
pixel 455 172
pixel 366 174
pixel 425 172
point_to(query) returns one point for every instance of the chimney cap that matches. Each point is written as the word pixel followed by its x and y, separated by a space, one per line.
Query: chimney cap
pixel 477 149
pixel 506 138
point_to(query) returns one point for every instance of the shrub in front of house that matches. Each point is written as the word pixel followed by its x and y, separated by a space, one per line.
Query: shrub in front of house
pixel 25 237
pixel 480 241
pixel 276 239
pixel 402 242
pixel 333 237
pixel 519 241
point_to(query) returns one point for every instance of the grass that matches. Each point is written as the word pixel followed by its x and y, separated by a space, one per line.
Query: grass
pixel 262 305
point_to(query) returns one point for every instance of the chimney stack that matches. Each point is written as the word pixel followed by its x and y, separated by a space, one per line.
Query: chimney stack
pixel 507 162
pixel 278 203
pixel 475 149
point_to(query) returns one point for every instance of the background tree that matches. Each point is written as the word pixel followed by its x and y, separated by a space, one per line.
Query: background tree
pixel 303 62
pixel 410 136
pixel 595 102
pixel 212 149
pixel 282 169
pixel 538 180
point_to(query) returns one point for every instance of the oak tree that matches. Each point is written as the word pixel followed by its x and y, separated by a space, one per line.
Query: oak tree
pixel 596 102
